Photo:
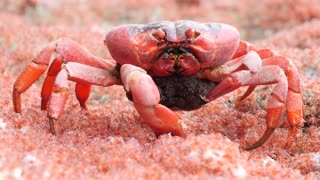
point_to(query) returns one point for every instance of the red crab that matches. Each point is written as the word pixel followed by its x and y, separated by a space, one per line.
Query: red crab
pixel 165 64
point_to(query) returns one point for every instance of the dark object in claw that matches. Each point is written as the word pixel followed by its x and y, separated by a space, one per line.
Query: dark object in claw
pixel 183 92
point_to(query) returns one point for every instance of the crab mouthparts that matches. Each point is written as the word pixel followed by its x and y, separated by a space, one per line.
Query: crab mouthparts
pixel 177 55
pixel 176 60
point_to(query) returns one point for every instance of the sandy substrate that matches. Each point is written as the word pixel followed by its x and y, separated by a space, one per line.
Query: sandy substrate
pixel 110 141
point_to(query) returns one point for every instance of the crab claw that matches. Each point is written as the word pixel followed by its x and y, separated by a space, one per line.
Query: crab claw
pixel 146 98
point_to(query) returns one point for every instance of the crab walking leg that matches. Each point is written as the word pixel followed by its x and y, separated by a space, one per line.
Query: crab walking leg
pixel 294 104
pixel 276 105
pixel 146 98
pixel 263 53
pixel 277 101
pixel 24 81
pixel 78 73
pixel 243 49
pixel 234 74
pixel 69 51
pixel 58 98
pixel 47 85
pixel 245 95
pixel 82 93
pixel 30 74
pixel 82 90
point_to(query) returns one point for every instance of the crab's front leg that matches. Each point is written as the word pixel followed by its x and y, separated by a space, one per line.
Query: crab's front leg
pixel 146 98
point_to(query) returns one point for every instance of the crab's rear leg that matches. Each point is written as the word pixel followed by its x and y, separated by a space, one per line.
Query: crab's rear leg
pixel 68 51
pixel 277 102
pixel 274 69
pixel 78 73
pixel 82 90
pixel 294 104
pixel 276 105
pixel 30 74
pixel 47 85
pixel 243 49
pixel 82 94
pixel 146 98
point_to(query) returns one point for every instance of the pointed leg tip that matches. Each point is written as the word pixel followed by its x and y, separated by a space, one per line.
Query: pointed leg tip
pixel 17 109
pixel 84 106
pixel 237 102
pixel 51 126
pixel 179 132
pixel 44 104
pixel 251 147
pixel 16 100
pixel 261 141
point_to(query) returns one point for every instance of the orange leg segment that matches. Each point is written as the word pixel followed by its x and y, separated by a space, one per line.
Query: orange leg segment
pixel 24 81
pixel 82 93
pixel 294 104
pixel 277 101
pixel 58 98
pixel 47 85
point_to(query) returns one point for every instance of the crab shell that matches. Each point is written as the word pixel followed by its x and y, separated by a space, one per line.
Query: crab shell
pixel 212 44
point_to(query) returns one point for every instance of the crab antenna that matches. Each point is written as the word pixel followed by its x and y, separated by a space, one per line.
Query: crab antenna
pixel 262 140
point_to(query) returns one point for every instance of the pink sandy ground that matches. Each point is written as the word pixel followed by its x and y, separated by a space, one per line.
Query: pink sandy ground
pixel 111 142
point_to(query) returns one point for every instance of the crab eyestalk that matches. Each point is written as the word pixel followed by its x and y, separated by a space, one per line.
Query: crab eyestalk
pixel 175 61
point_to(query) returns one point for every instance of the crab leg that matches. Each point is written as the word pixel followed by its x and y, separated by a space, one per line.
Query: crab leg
pixel 82 90
pixel 243 49
pixel 58 98
pixel 30 74
pixel 234 74
pixel 53 71
pixel 277 102
pixel 263 53
pixel 82 93
pixel 286 95
pixel 276 105
pixel 69 51
pixel 146 98
pixel 294 102
pixel 78 73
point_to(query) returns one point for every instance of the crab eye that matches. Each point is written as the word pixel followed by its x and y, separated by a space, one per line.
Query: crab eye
pixel 192 34
pixel 159 34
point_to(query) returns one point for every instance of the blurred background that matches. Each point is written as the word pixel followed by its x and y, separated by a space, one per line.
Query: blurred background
pixel 28 25
pixel 254 19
